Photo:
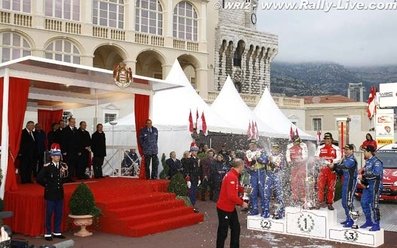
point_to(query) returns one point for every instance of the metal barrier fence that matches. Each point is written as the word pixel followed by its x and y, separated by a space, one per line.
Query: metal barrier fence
pixel 119 162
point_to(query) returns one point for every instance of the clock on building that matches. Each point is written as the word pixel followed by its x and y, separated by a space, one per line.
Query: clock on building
pixel 253 18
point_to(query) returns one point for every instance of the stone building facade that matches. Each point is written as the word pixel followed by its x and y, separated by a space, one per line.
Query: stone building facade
pixel 148 35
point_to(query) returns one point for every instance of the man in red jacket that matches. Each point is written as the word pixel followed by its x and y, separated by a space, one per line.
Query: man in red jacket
pixel 226 206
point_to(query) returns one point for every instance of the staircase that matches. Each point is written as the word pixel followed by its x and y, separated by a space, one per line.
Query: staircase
pixel 144 214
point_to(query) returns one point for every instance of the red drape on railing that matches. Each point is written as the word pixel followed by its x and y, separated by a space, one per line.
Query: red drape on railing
pixel 141 108
pixel 18 97
pixel 47 117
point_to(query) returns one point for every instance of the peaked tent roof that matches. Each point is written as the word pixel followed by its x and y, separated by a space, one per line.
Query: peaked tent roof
pixel 172 107
pixel 230 106
pixel 268 111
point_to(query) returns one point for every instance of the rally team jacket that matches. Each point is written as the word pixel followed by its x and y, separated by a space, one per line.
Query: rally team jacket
pixel 228 198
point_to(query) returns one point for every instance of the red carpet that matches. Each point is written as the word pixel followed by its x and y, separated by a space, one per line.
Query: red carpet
pixel 130 207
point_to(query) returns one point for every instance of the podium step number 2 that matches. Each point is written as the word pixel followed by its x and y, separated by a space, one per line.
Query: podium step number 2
pixel 320 224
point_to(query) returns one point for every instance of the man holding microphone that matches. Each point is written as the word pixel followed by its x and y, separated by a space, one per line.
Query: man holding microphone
pixel 226 206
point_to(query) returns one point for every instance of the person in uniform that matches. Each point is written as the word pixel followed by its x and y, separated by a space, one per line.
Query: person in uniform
pixel 50 177
pixel 226 206
pixel 330 155
pixel 256 160
pixel 273 182
pixel 296 156
pixel 148 139
pixel 372 179
pixel 348 168
pixel 192 172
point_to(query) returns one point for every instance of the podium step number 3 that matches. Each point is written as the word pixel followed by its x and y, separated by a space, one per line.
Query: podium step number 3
pixel 320 224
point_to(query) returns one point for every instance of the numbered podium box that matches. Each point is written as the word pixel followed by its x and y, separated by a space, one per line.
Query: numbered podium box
pixel 320 224
pixel 258 223
pixel 310 223
pixel 361 237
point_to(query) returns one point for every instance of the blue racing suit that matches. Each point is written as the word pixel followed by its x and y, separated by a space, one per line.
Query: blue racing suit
pixel 373 174
pixel 349 169
pixel 257 182
pixel 273 181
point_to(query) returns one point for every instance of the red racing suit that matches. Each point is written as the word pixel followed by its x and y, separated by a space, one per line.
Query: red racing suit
pixel 327 176
pixel 296 156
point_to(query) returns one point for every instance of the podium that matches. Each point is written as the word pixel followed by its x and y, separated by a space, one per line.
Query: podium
pixel 320 224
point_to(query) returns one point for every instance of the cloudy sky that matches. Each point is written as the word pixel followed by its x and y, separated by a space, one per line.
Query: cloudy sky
pixel 348 37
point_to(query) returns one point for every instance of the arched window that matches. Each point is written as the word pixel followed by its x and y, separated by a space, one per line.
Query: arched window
pixel 17 5
pixel 13 46
pixel 64 9
pixel 63 50
pixel 108 13
pixel 149 17
pixel 185 21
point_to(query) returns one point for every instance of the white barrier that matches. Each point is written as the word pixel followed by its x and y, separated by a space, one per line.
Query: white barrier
pixel 320 224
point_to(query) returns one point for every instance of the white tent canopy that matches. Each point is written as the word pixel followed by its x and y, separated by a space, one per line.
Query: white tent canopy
pixel 172 107
pixel 230 106
pixel 268 111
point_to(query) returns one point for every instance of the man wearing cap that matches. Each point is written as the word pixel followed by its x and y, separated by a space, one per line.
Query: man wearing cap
pixel 273 182
pixel 296 157
pixel 330 155
pixel 193 172
pixel 50 177
pixel 348 167
pixel 255 162
pixel 373 174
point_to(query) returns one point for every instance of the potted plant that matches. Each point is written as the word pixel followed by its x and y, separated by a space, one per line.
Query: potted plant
pixel 178 186
pixel 83 209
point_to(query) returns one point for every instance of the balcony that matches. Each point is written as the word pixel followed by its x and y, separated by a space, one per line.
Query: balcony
pixel 102 32
pixel 147 39
pixel 5 17
pixel 16 19
pixel 62 26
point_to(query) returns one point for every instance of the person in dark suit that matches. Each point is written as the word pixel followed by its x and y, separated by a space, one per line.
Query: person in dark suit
pixel 53 136
pixel 98 147
pixel 50 177
pixel 70 145
pixel 27 153
pixel 174 165
pixel 84 150
pixel 40 138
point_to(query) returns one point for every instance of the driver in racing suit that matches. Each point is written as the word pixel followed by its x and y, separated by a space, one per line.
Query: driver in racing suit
pixel 330 154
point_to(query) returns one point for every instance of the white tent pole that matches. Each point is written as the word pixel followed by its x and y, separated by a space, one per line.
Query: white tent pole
pixel 151 106
pixel 4 130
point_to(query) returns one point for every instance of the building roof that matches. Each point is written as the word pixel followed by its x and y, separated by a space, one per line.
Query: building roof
pixel 327 99
pixel 60 84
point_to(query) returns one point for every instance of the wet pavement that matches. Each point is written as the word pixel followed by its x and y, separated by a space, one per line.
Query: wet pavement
pixel 204 235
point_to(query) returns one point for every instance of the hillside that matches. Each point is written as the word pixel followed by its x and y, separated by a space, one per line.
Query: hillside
pixel 326 78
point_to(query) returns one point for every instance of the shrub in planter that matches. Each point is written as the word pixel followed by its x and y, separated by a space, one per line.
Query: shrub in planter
pixel 82 202
pixel 178 185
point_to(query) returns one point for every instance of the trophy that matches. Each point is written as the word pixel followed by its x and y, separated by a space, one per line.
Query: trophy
pixel 247 194
pixel 354 215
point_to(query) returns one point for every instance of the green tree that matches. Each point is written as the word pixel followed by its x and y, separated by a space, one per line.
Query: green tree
pixel 82 202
